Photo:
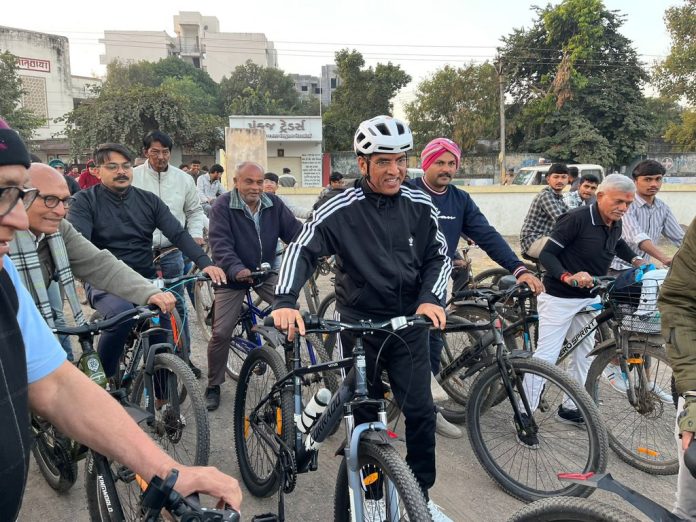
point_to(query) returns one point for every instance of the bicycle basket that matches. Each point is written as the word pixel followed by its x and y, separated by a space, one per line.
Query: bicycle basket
pixel 635 306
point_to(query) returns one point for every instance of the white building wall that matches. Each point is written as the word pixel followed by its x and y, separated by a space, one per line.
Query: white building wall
pixel 135 46
pixel 44 63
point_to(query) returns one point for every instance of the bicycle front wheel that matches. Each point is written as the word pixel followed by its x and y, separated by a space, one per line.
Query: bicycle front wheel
pixel 641 434
pixel 258 436
pixel 180 425
pixel 528 471
pixel 389 491
pixel 571 509
pixel 53 455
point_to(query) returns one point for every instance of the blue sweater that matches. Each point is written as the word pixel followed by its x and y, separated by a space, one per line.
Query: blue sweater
pixel 459 216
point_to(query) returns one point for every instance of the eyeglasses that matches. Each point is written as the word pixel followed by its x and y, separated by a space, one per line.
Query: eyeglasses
pixel 9 196
pixel 157 152
pixel 52 201
pixel 113 167
pixel 384 163
pixel 58 167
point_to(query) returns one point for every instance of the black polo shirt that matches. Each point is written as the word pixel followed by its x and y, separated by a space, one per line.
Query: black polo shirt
pixel 581 242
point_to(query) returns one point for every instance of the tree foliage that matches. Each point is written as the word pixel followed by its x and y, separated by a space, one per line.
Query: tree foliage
pixel 683 134
pixel 460 103
pixel 169 95
pixel 362 94
pixel 575 84
pixel 676 76
pixel 255 90
pixel 19 118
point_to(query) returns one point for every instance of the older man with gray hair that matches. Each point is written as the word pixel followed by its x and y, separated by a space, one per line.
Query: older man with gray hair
pixel 581 245
pixel 245 225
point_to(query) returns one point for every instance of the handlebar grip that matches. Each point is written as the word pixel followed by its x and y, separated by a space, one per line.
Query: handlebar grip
pixel 268 321
pixel 466 294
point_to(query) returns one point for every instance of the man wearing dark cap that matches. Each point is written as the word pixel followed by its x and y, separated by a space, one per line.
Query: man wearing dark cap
pixel 73 185
pixel 89 178
pixel 36 375
pixel 336 186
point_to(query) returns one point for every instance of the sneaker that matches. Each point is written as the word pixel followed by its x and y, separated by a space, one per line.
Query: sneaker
pixel 375 510
pixel 436 513
pixel 195 369
pixel 664 396
pixel 568 416
pixel 528 440
pixel 212 398
pixel 616 379
pixel 446 429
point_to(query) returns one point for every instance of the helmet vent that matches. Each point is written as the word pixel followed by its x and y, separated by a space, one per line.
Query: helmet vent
pixel 382 128
pixel 400 128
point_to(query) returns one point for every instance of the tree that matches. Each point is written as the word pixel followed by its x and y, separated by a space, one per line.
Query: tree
pixel 683 134
pixel 255 90
pixel 170 95
pixel 461 104
pixel 362 94
pixel 676 76
pixel 573 76
pixel 19 118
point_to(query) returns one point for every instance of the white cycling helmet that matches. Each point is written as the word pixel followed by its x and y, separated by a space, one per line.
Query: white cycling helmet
pixel 382 134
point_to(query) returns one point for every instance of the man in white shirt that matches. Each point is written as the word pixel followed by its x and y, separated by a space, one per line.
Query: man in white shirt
pixel 178 190
pixel 210 187
pixel 648 218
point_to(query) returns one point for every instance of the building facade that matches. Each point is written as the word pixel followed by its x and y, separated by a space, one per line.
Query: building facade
pixel 329 81
pixel 292 142
pixel 51 91
pixel 198 41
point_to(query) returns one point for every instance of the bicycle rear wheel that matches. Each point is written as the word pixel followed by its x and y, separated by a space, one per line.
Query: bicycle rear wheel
pixel 205 299
pixel 570 509
pixel 380 466
pixel 180 425
pixel 642 435
pixel 523 471
pixel 255 439
pixel 326 310
pixel 242 342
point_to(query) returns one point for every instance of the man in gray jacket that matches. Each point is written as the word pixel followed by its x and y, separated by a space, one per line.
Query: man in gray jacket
pixel 85 261
pixel 178 190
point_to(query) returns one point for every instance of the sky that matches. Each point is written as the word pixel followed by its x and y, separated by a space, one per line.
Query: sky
pixel 419 36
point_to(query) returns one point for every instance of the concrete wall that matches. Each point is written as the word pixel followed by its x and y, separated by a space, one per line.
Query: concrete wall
pixel 507 207
pixel 135 46
pixel 243 145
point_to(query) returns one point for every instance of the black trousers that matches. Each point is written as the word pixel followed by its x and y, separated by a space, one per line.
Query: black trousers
pixel 407 363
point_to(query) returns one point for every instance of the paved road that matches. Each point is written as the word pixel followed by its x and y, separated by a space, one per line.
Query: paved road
pixel 463 489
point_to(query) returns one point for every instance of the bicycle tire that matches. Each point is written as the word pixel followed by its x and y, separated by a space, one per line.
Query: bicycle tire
pixel 101 509
pixel 242 342
pixel 311 294
pixel 489 278
pixel 278 416
pixel 170 432
pixel 330 379
pixel 642 435
pixel 485 409
pixel 205 300
pixel 326 310
pixel 55 463
pixel 387 459
pixel 571 509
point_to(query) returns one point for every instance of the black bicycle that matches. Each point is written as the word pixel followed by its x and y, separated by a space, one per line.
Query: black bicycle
pixel 511 411
pixel 276 438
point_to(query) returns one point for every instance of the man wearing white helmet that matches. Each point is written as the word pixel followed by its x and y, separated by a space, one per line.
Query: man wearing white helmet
pixel 391 260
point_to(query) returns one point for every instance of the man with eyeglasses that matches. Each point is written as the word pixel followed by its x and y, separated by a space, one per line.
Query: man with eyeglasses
pixel 51 254
pixel 391 260
pixel 122 219
pixel 36 376
pixel 178 190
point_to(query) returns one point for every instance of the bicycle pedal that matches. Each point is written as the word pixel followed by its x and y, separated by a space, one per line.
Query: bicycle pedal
pixel 266 517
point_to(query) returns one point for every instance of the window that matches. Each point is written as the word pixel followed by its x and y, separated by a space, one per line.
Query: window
pixel 281 153
pixel 333 83
pixel 317 90
pixel 303 88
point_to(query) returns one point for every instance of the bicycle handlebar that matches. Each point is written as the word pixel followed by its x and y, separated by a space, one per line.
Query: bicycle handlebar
pixel 492 296
pixel 160 494
pixel 163 283
pixel 140 312
pixel 316 324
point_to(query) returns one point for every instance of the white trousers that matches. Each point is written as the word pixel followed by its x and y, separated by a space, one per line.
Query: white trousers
pixel 558 319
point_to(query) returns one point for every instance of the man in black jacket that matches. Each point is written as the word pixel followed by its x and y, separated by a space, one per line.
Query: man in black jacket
pixel 245 226
pixel 391 260
pixel 121 219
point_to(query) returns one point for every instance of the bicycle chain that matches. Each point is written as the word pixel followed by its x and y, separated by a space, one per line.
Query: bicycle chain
pixel 288 466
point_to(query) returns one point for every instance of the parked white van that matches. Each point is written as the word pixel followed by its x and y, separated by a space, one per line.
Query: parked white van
pixel 536 175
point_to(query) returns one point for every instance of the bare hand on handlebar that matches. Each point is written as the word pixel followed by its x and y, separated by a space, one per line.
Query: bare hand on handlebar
pixel 217 275
pixel 580 280
pixel 211 481
pixel 165 301
pixel 433 312
pixel 286 319
pixel 532 282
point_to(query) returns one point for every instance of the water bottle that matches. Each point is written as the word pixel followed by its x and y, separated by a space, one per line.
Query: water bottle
pixel 91 366
pixel 313 410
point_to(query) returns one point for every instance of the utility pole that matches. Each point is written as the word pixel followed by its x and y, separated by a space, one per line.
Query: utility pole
pixel 501 95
